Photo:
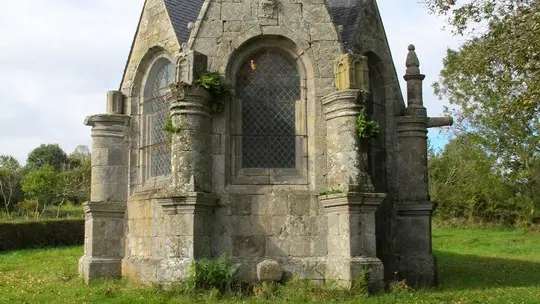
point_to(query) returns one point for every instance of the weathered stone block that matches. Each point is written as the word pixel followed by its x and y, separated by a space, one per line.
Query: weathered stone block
pixel 269 270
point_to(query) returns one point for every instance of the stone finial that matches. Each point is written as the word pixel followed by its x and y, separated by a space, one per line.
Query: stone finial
pixel 412 63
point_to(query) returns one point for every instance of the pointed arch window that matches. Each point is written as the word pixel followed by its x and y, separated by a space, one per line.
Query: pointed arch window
pixel 155 109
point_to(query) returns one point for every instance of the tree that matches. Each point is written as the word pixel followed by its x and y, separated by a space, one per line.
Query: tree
pixel 47 154
pixel 9 180
pixel 501 60
pixel 42 185
pixel 493 85
pixel 467 183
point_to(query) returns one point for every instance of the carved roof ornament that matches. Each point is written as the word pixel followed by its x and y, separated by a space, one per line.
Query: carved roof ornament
pixel 268 9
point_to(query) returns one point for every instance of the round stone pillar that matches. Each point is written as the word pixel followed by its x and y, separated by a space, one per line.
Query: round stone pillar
pixel 346 153
pixel 191 144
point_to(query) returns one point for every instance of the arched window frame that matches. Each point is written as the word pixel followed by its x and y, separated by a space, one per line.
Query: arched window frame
pixel 264 176
pixel 145 160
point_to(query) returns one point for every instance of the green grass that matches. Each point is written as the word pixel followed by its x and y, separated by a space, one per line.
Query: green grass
pixel 476 266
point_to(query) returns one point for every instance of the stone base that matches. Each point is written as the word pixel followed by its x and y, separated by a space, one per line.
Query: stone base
pixel 418 270
pixel 346 271
pixel 94 268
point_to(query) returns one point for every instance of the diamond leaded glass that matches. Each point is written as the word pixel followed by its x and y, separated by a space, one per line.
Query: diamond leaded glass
pixel 269 85
pixel 156 110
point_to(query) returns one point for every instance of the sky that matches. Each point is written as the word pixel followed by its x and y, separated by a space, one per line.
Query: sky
pixel 58 58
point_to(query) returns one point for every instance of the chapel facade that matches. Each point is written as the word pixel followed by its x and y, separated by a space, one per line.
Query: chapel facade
pixel 277 175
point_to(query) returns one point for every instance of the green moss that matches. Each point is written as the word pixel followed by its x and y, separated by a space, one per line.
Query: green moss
pixel 331 191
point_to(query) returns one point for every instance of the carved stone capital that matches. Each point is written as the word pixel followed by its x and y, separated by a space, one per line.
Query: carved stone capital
pixel 343 103
pixel 188 100
pixel 106 125
pixel 188 203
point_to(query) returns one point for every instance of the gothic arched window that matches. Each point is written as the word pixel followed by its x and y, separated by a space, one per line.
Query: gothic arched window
pixel 156 150
pixel 268 87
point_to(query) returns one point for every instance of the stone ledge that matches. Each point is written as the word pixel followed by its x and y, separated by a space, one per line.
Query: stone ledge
pixel 105 209
pixel 352 202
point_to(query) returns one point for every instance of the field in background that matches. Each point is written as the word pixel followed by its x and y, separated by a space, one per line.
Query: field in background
pixel 476 266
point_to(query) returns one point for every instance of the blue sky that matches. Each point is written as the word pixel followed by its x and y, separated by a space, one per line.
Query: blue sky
pixel 58 59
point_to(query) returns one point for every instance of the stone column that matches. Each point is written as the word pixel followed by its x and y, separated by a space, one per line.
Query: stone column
pixel 104 213
pixel 189 204
pixel 415 260
pixel 351 211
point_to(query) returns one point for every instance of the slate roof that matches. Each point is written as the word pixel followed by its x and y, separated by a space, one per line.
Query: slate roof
pixel 181 12
pixel 343 12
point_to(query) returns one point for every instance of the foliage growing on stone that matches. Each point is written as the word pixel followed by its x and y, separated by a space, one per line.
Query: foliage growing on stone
pixel 169 129
pixel 208 274
pixel 367 129
pixel 217 87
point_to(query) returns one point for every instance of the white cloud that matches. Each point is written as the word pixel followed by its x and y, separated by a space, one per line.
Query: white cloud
pixel 58 58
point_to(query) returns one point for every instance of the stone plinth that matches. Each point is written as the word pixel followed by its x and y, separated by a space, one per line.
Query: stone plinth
pixel 104 214
pixel 103 241
pixel 188 228
pixel 351 237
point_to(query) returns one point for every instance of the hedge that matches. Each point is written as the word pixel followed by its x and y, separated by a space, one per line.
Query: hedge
pixel 21 235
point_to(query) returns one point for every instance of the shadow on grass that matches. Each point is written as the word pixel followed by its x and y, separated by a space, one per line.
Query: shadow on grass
pixel 459 272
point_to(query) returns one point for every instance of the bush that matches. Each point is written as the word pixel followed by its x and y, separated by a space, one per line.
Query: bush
pixel 21 235
pixel 208 274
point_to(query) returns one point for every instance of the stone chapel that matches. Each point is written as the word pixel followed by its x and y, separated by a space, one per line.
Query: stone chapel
pixel 280 175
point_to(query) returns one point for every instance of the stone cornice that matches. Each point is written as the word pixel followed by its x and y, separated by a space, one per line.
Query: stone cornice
pixel 352 202
pixel 414 208
pixel 104 209
pixel 191 202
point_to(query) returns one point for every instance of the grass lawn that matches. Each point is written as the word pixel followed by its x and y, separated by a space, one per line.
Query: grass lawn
pixel 476 266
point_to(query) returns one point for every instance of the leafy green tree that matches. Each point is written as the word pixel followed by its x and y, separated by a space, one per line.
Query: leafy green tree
pixel 41 185
pixel 501 60
pixel 468 184
pixel 10 177
pixel 493 85
pixel 47 154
